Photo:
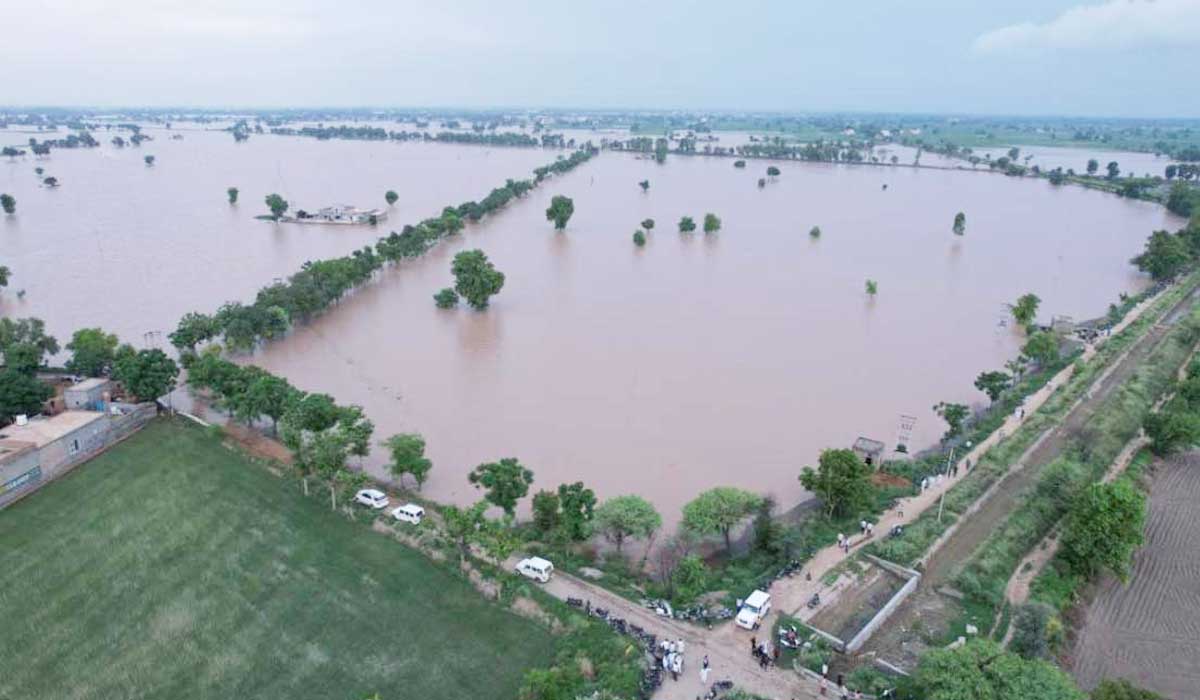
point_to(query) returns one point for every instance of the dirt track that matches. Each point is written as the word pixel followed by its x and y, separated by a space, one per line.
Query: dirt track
pixel 1149 631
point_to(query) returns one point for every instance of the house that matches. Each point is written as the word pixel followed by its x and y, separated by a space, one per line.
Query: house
pixel 341 214
pixel 89 394
pixel 35 451
pixel 869 451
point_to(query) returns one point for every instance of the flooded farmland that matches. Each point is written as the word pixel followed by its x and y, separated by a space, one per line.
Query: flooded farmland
pixel 131 248
pixel 724 359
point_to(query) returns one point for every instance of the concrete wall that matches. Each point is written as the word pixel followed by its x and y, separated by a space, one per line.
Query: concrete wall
pixel 882 616
pixel 21 465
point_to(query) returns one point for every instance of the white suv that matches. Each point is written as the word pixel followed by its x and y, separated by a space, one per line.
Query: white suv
pixel 754 610
pixel 536 568
pixel 372 498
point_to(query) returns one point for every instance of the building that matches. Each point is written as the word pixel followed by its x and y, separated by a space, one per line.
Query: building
pixel 341 214
pixel 35 451
pixel 88 395
pixel 869 451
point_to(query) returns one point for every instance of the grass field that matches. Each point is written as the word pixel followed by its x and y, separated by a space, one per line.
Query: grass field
pixel 171 567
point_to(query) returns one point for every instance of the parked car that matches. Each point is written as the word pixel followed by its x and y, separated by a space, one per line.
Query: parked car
pixel 409 513
pixel 754 610
pixel 372 498
pixel 536 568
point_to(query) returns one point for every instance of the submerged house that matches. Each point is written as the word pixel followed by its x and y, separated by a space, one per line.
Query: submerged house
pixel 340 214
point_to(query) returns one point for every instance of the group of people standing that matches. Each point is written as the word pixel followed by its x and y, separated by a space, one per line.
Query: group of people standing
pixel 765 656
pixel 672 657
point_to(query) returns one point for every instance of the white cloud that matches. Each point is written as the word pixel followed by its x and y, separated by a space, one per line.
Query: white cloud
pixel 1113 24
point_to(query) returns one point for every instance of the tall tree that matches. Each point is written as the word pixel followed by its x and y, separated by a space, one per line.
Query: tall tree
pixel 981 670
pixel 1166 255
pixel 270 396
pixel 475 278
pixel 92 352
pixel 390 197
pixel 954 414
pixel 712 223
pixel 147 374
pixel 408 457
pixel 1104 528
pixel 560 210
pixel 463 524
pixel 624 517
pixel 1113 169
pixel 993 383
pixel 719 510
pixel 686 225
pixel 278 205
pixel 1025 310
pixel 547 511
pixel 232 193
pixel 8 203
pixel 960 224
pixel 21 394
pixel 1042 348
pixel 504 482
pixel 24 343
pixel 841 480
pixel 578 506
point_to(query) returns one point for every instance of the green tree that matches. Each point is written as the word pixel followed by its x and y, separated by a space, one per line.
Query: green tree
pixel 1104 528
pixel 981 670
pixel 648 224
pixel 149 160
pixel 960 224
pixel 463 524
pixel 739 163
pixel 1036 630
pixel 645 185
pixel 447 298
pixel 232 193
pixel 193 328
pixel 546 511
pixel 762 182
pixel 560 210
pixel 1166 255
pixel 691 578
pixel 8 203
pixel 1014 153
pixel 24 344
pixel 147 374
pixel 270 396
pixel 92 352
pixel 686 225
pixel 475 278
pixel 5 274
pixel 1025 310
pixel 639 238
pixel 1113 169
pixel 814 232
pixel 772 172
pixel 624 517
pixel 872 287
pixel 954 414
pixel 719 510
pixel 841 480
pixel 504 482
pixel 1092 166
pixel 1042 348
pixel 327 452
pixel 578 508
pixel 712 223
pixel 278 205
pixel 390 197
pixel 1121 689
pixel 1171 430
pixel 993 383
pixel 21 394
pixel 408 457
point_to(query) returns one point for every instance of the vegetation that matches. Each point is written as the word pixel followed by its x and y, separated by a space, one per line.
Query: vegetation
pixel 814 232
pixel 391 197
pixel 719 510
pixel 147 374
pixel 149 160
pixel 841 480
pixel 624 517
pixel 639 238
pixel 954 414
pixel 446 298
pixel 872 288
pixel 560 210
pixel 645 185
pixel 960 224
pixel 712 223
pixel 475 278
pixel 993 383
pixel 408 457
pixel 686 225
pixel 1104 528
pixel 1037 631
pixel 1024 312
pixel 504 482
pixel 648 224
pixel 981 670
pixel 1166 255
pixel 8 203
pixel 92 352
pixel 1042 348
pixel 278 206
pixel 1121 689
pixel 315 583
pixel 232 193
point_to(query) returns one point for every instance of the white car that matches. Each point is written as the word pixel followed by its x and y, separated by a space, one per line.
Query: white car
pixel 409 513
pixel 536 568
pixel 372 498
pixel 754 610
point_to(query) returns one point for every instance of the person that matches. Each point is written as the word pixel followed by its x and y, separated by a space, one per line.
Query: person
pixel 775 654
pixel 679 645
pixel 870 529
pixel 824 670
pixel 753 646
pixel 704 671
pixel 862 527
pixel 824 686
pixel 841 538
pixel 677 666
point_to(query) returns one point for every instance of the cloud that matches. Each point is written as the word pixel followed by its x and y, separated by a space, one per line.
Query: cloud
pixel 1120 24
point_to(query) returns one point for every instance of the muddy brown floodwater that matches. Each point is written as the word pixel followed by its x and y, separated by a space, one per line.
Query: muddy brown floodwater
pixel 723 359
pixel 1149 631
pixel 132 248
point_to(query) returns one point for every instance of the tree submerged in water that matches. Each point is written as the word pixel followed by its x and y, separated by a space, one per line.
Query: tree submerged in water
pixel 639 238
pixel 149 160
pixel 872 287
pixel 476 279
pixel 814 232
pixel 645 185
pixel 390 197
pixel 447 298
pixel 648 224
pixel 687 225
pixel 560 210
pixel 712 223
pixel 278 205
pixel 232 192
pixel 8 203
pixel 960 224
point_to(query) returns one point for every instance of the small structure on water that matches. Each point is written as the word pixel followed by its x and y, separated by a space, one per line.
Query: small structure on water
pixel 869 451
pixel 339 214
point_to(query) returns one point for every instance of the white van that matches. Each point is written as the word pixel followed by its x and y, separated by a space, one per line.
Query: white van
pixel 536 568
pixel 409 513
pixel 754 610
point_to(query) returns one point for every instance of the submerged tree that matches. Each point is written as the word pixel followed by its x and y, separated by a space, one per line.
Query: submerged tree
pixel 390 197
pixel 639 238
pixel 1025 310
pixel 841 480
pixel 1042 348
pixel 739 163
pixel 408 457
pixel 1092 166
pixel 645 185
pixel 717 511
pixel 149 159
pixel 475 278
pixel 993 383
pixel 955 414
pixel 872 287
pixel 447 298
pixel 772 172
pixel 686 225
pixel 814 232
pixel 560 210
pixel 8 203
pixel 712 223
pixel 504 482
pixel 232 192
pixel 648 224
pixel 278 205
pixel 762 182
pixel 960 224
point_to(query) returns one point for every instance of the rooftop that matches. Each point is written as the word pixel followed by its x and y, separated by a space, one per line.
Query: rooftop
pixel 42 431
pixel 88 384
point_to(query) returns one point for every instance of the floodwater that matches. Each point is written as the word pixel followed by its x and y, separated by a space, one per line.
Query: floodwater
pixel 1051 157
pixel 132 248
pixel 723 359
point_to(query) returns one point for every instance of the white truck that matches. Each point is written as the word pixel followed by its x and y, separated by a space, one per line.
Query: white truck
pixel 536 568
pixel 754 610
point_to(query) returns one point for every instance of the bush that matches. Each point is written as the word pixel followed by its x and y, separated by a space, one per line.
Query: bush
pixel 447 298
pixel 1036 631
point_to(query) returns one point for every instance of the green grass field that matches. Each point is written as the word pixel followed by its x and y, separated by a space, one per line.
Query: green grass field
pixel 171 567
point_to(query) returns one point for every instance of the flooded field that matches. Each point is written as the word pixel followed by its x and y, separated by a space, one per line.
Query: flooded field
pixel 724 359
pixel 131 248
pixel 1149 630
pixel 1051 157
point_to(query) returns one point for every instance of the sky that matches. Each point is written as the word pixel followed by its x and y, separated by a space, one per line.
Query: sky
pixel 1135 58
